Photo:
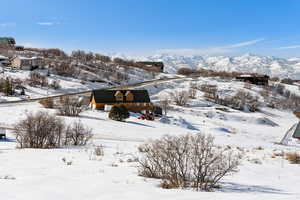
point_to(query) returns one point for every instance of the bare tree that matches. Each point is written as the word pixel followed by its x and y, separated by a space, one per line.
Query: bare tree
pixel 70 106
pixel 164 103
pixel 193 90
pixel 37 79
pixel 180 98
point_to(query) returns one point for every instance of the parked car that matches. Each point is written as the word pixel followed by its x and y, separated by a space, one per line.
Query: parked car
pixel 146 117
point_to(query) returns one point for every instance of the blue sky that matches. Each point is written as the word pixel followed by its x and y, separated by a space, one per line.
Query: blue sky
pixel 213 27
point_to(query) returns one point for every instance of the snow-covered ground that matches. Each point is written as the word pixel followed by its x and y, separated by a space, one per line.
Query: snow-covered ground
pixel 42 174
pixel 68 85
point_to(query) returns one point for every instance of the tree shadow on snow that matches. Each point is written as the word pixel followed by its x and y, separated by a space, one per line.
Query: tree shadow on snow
pixel 241 188
pixel 90 117
pixel 140 124
pixel 7 140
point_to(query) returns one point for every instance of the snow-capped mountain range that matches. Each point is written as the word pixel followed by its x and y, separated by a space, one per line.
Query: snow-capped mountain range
pixel 270 65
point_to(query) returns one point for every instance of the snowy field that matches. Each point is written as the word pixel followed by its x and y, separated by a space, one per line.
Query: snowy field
pixel 27 174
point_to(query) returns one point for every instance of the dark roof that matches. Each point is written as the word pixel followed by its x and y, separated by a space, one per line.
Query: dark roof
pixel 108 96
pixel 297 131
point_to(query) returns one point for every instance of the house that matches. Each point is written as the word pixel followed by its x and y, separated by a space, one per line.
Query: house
pixel 19 48
pixel 25 63
pixel 7 41
pixel 133 100
pixel 254 79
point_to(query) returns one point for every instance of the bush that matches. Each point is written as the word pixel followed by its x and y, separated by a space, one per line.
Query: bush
pixel 77 134
pixel 70 106
pixel 187 161
pixel 180 98
pixel 40 130
pixel 118 113
pixel 287 81
pixel 43 130
pixel 47 103
pixel 294 158
pixel 185 71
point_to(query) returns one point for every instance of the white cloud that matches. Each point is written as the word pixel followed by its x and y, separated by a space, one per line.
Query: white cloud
pixel 290 47
pixel 211 50
pixel 8 24
pixel 45 23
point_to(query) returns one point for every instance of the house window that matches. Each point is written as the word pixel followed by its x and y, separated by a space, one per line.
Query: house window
pixel 129 96
pixel 119 96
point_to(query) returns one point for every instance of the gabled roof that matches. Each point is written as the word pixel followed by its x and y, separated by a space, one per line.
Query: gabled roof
pixel 108 96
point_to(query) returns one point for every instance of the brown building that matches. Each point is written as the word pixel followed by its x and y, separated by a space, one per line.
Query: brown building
pixel 25 63
pixel 255 79
pixel 133 100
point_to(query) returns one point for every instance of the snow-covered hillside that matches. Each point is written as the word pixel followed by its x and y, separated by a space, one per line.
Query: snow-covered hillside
pixel 246 63
pixel 42 173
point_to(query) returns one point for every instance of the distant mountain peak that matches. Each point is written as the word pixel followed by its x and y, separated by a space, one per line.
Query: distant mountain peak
pixel 248 62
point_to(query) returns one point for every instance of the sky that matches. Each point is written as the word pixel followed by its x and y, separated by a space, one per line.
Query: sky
pixel 146 27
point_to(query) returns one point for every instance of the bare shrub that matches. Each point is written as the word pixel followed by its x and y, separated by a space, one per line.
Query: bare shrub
pixel 70 106
pixel 180 98
pixel 37 79
pixel 65 69
pixel 210 91
pixel 279 88
pixel 77 134
pixel 193 90
pixel 99 150
pixel 47 103
pixel 247 85
pixel 245 101
pixel 40 130
pixel 164 103
pixel 187 161
pixel 294 158
pixel 185 71
pixel 55 84
pixel 287 81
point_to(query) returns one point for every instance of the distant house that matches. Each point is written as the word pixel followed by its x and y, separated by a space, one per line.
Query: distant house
pixel 7 41
pixel 255 79
pixel 25 63
pixel 134 100
pixel 154 66
pixel 19 48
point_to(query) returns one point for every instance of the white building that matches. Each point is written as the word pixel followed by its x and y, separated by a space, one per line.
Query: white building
pixel 25 63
